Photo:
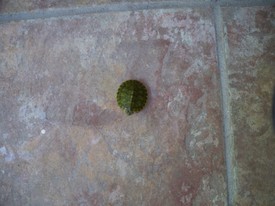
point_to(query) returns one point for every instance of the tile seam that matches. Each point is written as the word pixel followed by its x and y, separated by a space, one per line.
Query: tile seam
pixel 104 8
pixel 224 82
pixel 246 3
pixel 120 7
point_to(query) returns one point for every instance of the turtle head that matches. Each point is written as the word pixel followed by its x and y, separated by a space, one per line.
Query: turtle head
pixel 129 111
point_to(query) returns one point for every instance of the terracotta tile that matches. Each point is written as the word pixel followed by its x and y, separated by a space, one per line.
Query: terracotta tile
pixel 250 62
pixel 64 141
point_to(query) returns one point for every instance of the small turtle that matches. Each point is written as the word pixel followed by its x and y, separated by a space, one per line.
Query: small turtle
pixel 131 96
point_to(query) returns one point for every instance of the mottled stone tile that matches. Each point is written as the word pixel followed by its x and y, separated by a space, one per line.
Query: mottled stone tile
pixel 64 140
pixel 7 6
pixel 251 70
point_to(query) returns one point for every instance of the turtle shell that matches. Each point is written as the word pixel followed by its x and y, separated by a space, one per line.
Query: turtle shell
pixel 131 96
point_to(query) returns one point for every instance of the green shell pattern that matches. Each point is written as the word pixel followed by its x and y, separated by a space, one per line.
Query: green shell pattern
pixel 131 96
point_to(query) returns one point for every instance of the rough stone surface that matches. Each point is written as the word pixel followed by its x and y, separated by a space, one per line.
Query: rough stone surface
pixel 251 68
pixel 64 140
pixel 7 6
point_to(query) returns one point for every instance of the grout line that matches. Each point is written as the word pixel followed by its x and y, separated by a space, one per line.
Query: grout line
pixel 104 8
pixel 224 82
pixel 246 3
pixel 119 7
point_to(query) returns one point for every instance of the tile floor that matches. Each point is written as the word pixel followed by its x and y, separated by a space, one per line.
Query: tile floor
pixel 250 60
pixel 204 138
